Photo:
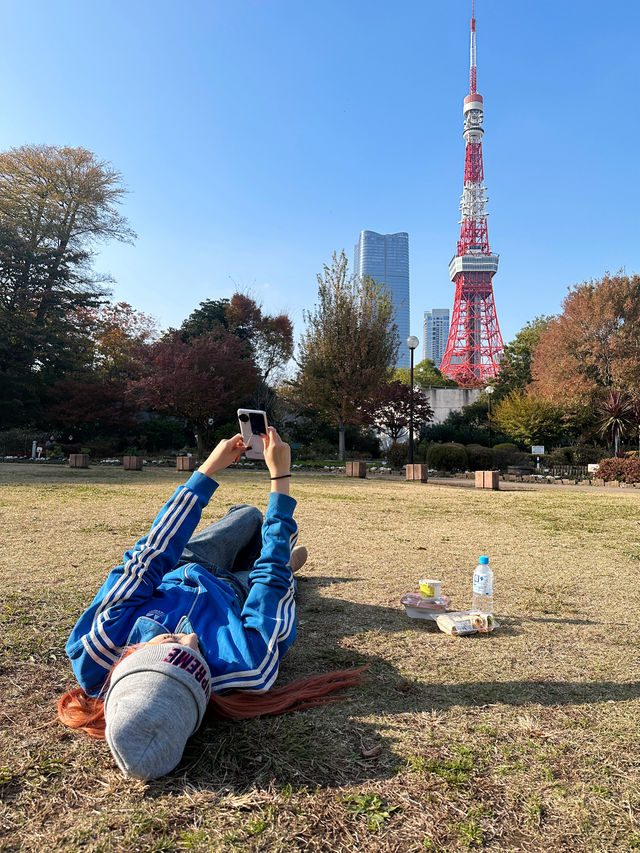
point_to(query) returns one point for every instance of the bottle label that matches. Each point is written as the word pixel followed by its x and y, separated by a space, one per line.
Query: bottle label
pixel 482 583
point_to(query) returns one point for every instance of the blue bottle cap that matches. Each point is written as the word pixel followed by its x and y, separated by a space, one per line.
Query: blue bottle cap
pixel 483 561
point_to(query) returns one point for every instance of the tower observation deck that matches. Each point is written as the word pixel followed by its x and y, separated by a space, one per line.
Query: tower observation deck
pixel 474 347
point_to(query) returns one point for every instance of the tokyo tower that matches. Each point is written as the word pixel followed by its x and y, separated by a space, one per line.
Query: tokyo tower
pixel 474 346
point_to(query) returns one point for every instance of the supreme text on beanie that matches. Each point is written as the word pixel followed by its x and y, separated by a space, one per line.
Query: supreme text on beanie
pixel 156 700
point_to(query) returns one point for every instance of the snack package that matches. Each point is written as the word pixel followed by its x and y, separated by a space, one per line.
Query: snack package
pixel 465 622
pixel 455 623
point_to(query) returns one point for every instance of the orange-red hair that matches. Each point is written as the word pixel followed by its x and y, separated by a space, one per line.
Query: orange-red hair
pixel 79 711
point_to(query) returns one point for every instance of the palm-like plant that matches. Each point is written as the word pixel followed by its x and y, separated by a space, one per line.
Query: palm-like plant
pixel 617 417
pixel 635 418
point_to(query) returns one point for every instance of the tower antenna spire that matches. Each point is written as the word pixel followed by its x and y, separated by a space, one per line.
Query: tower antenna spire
pixel 474 346
pixel 473 77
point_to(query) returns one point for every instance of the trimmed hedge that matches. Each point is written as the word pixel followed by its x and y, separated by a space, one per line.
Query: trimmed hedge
pixel 480 457
pixel 508 454
pixel 447 457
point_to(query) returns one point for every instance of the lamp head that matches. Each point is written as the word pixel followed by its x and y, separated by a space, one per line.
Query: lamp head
pixel 412 342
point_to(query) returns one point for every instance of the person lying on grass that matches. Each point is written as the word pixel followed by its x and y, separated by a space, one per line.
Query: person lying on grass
pixel 194 622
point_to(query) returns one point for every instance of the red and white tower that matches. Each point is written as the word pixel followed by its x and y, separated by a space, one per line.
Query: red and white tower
pixel 474 346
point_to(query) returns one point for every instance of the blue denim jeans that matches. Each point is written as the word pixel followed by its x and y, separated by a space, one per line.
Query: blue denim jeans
pixel 228 548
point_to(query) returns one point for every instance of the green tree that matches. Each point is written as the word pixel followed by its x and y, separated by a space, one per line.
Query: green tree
pixel 528 418
pixel 56 204
pixel 425 375
pixel 515 364
pixel 348 348
pixel 209 315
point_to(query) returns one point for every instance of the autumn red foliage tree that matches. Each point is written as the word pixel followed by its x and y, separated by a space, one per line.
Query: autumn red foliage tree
pixel 390 406
pixel 593 346
pixel 86 407
pixel 208 376
pixel 93 400
pixel 119 333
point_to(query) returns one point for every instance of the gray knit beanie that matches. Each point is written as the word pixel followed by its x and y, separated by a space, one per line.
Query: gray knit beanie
pixel 156 700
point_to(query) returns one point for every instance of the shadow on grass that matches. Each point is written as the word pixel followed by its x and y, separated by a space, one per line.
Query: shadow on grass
pixel 332 745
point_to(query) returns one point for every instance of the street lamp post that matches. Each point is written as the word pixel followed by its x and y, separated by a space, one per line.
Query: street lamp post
pixel 489 391
pixel 412 343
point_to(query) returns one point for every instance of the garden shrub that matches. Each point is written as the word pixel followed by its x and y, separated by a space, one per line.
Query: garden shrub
pixel 422 450
pixel 561 456
pixel 632 470
pixel 318 449
pixel 17 442
pixel 447 457
pixel 584 454
pixel 359 454
pixel 397 454
pixel 480 458
pixel 362 442
pixel 506 454
pixel 523 459
pixel 625 470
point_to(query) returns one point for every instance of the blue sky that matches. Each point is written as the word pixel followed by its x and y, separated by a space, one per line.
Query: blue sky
pixel 258 136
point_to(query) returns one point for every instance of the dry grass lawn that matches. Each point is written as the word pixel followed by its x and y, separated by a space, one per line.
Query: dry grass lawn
pixel 524 740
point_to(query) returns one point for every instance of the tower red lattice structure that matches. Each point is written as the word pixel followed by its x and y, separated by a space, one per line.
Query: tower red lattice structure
pixel 474 346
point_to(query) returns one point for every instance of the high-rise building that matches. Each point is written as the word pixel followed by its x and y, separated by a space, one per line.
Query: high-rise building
pixel 385 258
pixel 435 333
pixel 475 345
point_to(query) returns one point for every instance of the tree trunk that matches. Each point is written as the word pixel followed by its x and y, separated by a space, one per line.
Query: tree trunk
pixel 199 445
pixel 342 453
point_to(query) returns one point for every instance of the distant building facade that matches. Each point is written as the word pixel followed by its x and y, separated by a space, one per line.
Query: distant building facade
pixel 385 258
pixel 434 334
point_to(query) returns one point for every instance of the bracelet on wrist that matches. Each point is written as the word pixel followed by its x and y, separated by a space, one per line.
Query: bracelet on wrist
pixel 281 477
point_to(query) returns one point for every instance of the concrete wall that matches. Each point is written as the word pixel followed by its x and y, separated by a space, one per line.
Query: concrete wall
pixel 443 401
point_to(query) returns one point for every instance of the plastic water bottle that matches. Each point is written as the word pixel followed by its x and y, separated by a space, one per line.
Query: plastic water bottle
pixel 482 601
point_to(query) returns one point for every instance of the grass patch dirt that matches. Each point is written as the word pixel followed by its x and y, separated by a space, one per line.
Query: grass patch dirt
pixel 524 740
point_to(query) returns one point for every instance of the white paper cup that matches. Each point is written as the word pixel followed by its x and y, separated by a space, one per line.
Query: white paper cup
pixel 430 588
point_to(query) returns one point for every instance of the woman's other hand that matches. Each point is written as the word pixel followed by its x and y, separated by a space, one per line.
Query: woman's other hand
pixel 277 455
pixel 223 454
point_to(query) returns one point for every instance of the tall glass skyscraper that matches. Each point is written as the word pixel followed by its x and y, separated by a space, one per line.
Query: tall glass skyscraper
pixel 435 334
pixel 385 258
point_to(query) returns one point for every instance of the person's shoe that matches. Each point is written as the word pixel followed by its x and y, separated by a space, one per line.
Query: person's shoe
pixel 298 558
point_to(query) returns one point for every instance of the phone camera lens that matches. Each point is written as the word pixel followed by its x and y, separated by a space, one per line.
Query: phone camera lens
pixel 244 418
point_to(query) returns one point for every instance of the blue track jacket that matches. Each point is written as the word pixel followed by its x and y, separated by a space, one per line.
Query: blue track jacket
pixel 147 595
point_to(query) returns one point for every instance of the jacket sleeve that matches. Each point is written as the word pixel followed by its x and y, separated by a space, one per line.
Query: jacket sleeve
pixel 97 639
pixel 269 612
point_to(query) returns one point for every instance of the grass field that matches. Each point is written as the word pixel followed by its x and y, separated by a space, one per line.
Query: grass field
pixel 524 740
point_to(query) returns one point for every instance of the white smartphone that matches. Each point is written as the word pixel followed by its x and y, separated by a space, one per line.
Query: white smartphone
pixel 253 424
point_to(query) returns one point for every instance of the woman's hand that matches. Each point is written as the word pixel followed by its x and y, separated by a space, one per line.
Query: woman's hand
pixel 277 455
pixel 223 454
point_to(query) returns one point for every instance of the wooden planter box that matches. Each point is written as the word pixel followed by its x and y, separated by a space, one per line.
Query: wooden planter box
pixel 132 463
pixel 417 472
pixel 78 460
pixel 487 480
pixel 186 463
pixel 357 469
